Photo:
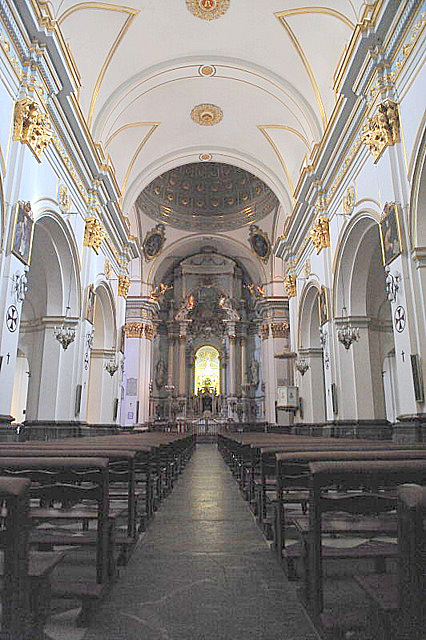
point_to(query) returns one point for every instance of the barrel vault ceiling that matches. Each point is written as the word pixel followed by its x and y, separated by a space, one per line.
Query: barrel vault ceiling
pixel 262 71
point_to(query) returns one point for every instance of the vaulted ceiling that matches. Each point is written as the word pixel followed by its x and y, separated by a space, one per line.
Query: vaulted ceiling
pixel 264 68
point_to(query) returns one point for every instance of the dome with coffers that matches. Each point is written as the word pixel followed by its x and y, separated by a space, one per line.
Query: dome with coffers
pixel 207 196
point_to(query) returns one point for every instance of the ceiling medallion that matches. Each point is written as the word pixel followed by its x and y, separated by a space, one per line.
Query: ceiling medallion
pixel 207 70
pixel 206 115
pixel 205 157
pixel 208 9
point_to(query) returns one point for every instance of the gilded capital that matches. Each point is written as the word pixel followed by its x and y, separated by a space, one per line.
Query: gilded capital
pixel 149 331
pixel 94 233
pixel 382 130
pixel 123 285
pixel 31 126
pixel 133 329
pixel 280 329
pixel 264 331
pixel 290 285
pixel 320 235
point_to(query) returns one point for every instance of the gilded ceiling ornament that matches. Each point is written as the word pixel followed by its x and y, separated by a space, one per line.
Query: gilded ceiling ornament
pixel 31 126
pixel 280 329
pixel 205 157
pixel 123 285
pixel 207 70
pixel 208 9
pixel 94 233
pixel 290 285
pixel 320 235
pixel 206 115
pixel 382 130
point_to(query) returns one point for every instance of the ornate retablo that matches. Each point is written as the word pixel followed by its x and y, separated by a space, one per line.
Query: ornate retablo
pixel 208 9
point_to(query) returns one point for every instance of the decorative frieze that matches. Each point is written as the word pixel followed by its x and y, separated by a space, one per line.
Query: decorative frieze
pixel 382 130
pixel 94 233
pixel 31 126
pixel 290 285
pixel 280 329
pixel 123 285
pixel 320 235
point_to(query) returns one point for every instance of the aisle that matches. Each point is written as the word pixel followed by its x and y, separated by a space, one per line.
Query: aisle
pixel 202 571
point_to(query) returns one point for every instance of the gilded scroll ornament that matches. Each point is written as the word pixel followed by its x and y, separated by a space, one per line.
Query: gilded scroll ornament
pixel 94 233
pixel 31 126
pixel 64 199
pixel 382 130
pixel 207 115
pixel 133 329
pixel 320 235
pixel 208 9
pixel 349 200
pixel 123 285
pixel 280 329
pixel 290 285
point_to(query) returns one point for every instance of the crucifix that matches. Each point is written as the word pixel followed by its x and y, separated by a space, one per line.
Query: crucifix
pixel 8 357
pixel 403 356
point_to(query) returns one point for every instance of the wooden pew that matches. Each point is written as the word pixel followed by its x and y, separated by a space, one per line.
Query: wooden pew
pixel 399 599
pixel 25 575
pixel 63 481
pixel 361 476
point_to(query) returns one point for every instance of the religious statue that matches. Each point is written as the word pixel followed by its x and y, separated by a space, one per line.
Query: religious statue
pixel 226 305
pixel 254 372
pixel 160 374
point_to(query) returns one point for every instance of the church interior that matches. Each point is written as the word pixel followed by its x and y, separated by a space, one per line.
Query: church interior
pixel 212 256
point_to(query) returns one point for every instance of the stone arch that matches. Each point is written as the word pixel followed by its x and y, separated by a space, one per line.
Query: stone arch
pixel 53 285
pixel 311 383
pixel 360 298
pixel 101 385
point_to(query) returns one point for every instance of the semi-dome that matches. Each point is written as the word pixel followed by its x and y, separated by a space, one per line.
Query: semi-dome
pixel 207 195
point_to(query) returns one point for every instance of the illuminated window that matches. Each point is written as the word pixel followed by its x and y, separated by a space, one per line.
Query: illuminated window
pixel 207 370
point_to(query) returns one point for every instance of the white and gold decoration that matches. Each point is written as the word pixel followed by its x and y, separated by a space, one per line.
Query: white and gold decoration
pixel 208 9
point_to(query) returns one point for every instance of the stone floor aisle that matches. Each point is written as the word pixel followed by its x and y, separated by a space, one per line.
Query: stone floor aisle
pixel 202 571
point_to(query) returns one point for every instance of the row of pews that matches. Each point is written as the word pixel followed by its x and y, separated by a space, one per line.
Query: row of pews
pixel 71 514
pixel 346 519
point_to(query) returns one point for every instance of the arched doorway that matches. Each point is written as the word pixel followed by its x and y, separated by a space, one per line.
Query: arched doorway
pixel 311 383
pixel 101 387
pixel 366 370
pixel 44 371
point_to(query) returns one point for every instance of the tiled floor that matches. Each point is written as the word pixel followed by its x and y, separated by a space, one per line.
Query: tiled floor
pixel 203 571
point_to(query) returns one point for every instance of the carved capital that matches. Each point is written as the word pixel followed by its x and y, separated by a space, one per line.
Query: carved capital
pixel 280 329
pixel 31 126
pixel 149 331
pixel 290 285
pixel 264 331
pixel 133 329
pixel 320 235
pixel 123 285
pixel 382 130
pixel 94 233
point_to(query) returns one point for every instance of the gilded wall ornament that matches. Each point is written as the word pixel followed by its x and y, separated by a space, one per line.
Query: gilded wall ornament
pixel 280 329
pixel 154 242
pixel 259 243
pixel 123 285
pixel 208 9
pixel 64 199
pixel 348 201
pixel 31 126
pixel 207 70
pixel 207 115
pixel 290 285
pixel 264 331
pixel 320 235
pixel 94 233
pixel 382 130
pixel 107 269
pixel 307 269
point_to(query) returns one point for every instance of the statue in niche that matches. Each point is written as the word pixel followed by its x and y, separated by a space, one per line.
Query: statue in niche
pixel 160 374
pixel 254 372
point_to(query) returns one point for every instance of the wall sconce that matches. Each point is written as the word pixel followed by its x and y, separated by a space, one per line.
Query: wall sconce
pixel 64 335
pixel 348 334
pixel 391 284
pixel 111 366
pixel 301 365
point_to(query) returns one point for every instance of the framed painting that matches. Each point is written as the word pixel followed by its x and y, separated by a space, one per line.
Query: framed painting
pixel 23 231
pixel 90 304
pixel 259 243
pixel 154 242
pixel 390 233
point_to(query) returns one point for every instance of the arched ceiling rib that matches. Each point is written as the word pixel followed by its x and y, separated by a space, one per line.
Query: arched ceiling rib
pixel 272 75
